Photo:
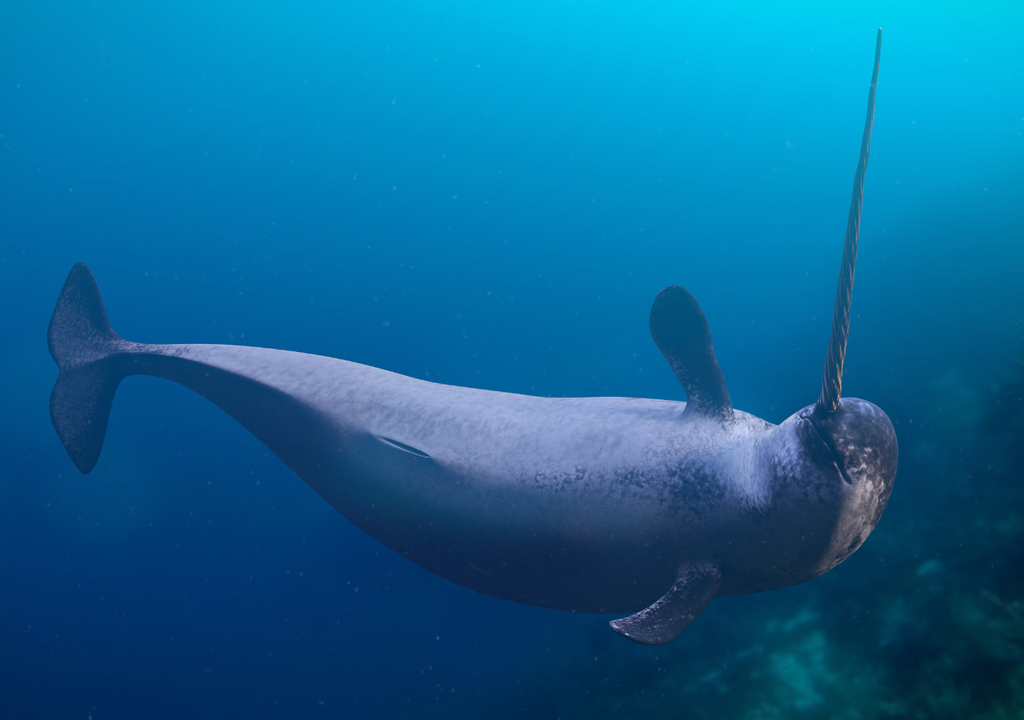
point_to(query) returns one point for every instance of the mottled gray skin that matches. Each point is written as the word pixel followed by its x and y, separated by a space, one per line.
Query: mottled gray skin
pixel 586 504
pixel 589 504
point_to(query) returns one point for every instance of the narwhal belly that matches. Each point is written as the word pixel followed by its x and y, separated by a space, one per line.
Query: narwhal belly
pixel 585 504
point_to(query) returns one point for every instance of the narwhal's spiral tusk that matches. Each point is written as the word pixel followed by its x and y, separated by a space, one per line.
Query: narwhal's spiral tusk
pixel 832 380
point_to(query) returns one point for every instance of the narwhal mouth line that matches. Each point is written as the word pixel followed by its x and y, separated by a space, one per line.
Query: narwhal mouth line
pixel 836 457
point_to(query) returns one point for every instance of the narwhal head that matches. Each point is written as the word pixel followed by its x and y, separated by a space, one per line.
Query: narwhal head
pixel 861 442
pixel 829 476
pixel 842 453
pixel 848 465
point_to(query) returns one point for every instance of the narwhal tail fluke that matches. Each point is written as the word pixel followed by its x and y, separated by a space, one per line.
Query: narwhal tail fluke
pixel 88 353
pixel 832 380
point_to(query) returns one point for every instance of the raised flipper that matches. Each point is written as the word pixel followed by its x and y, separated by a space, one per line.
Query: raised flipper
pixel 681 332
pixel 693 589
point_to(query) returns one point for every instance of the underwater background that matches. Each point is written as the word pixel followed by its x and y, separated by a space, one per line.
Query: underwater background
pixel 492 195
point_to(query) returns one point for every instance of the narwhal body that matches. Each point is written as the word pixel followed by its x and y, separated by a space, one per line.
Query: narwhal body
pixel 611 505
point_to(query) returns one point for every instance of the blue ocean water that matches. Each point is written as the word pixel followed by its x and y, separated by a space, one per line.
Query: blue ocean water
pixel 492 196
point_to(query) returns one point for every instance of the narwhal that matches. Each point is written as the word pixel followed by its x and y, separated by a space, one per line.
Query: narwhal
pixel 597 505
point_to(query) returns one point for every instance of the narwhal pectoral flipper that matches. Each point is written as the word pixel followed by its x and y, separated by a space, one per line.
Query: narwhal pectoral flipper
pixel 693 589
pixel 681 332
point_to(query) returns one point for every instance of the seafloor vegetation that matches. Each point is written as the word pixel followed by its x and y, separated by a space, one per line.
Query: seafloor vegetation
pixel 925 621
